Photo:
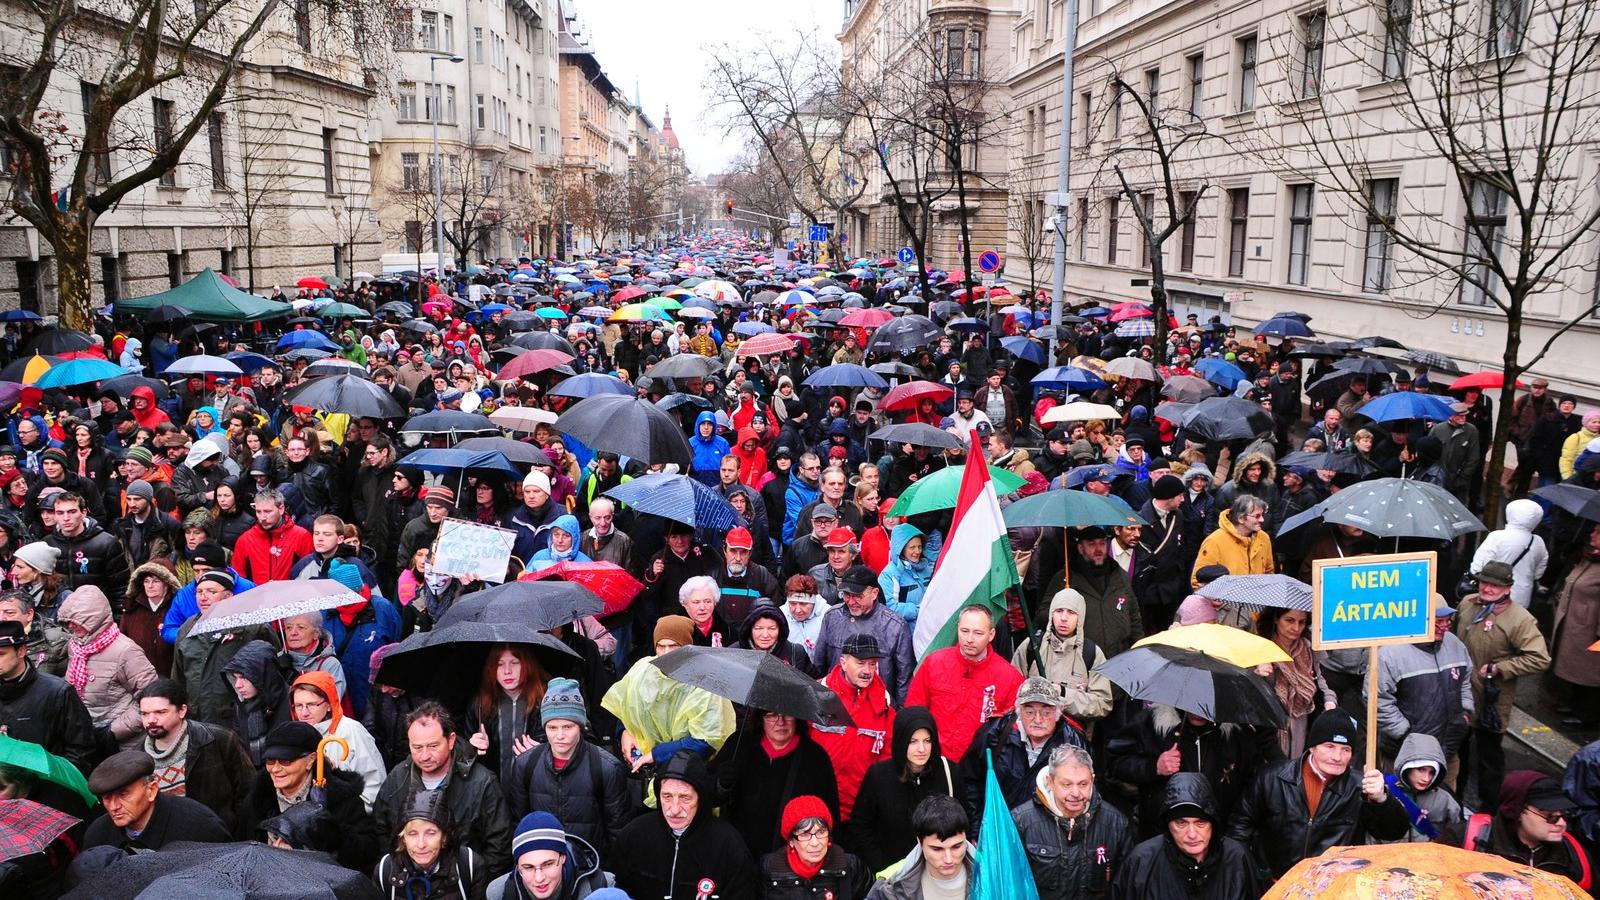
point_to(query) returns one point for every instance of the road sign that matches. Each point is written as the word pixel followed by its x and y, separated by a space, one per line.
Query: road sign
pixel 989 261
pixel 819 233
pixel 794 220
pixel 906 255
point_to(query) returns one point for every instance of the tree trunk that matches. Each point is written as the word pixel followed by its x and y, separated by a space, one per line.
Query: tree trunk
pixel 74 283
pixel 1502 423
pixel 1158 300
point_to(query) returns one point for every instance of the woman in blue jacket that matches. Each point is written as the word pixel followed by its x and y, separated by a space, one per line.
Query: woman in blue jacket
pixel 907 575
pixel 708 449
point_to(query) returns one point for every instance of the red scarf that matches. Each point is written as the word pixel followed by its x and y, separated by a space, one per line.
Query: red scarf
pixel 772 750
pixel 802 868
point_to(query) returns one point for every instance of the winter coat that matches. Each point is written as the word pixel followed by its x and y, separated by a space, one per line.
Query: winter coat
pixel 1266 488
pixel 853 748
pixel 385 720
pixel 1069 662
pixel 894 640
pixel 173 819
pixel 263 557
pixel 1071 857
pixel 1511 641
pixel 1435 807
pixel 705 454
pixel 158 535
pixel 141 623
pixel 94 557
pixel 219 773
pixel 1227 755
pixel 963 694
pixel 472 796
pixel 589 794
pixel 1165 557
pixel 1426 688
pixel 1571 447
pixel 650 861
pixel 115 673
pixel 252 719
pixel 378 623
pixel 903 582
pixel 1461 456
pixel 1013 770
pixel 1564 857
pixel 906 884
pixel 754 787
pixel 1158 869
pixel 1517 546
pixel 1240 555
pixel 1111 615
pixel 361 841
pixel 791 654
pixel 879 829
pixel 45 710
pixel 458 876
pixel 799 495
pixel 1577 624
pixel 842 877
pixel 1273 818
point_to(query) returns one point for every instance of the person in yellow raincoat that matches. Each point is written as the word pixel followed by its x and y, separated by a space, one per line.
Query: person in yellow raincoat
pixel 662 717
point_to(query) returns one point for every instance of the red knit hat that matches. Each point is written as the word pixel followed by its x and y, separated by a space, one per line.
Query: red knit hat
pixel 806 806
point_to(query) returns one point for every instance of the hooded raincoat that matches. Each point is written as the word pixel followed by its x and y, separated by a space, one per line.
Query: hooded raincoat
pixel 902 581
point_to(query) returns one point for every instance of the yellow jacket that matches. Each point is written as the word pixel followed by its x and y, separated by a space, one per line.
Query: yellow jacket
pixel 1574 445
pixel 1227 547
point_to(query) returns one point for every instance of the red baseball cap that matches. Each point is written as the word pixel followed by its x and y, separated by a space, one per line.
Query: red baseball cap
pixel 840 537
pixel 740 539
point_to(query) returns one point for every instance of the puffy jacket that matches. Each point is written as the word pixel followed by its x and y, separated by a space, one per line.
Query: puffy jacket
pixel 894 640
pixel 1069 662
pixel 706 453
pixel 589 795
pixel 796 498
pixel 262 556
pixel 1227 755
pixel 1571 447
pixel 1111 615
pixel 963 694
pixel 791 654
pixel 377 623
pixel 43 709
pixel 651 861
pixel 842 877
pixel 185 606
pixel 879 828
pixel 1426 688
pixel 903 582
pixel 1013 770
pixel 1071 857
pixel 115 673
pixel 472 796
pixel 854 748
pixel 1517 546
pixel 192 484
pixel 94 556
pixel 1273 819
pixel 1266 488
pixel 1226 547
pixel 1157 868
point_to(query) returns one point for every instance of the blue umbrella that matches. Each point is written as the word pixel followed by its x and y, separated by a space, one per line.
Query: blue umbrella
pixel 307 353
pixel 1220 372
pixel 549 312
pixel 966 323
pixel 306 338
pixel 492 308
pixel 78 371
pixel 591 383
pixel 249 362
pixel 751 329
pixel 453 460
pixel 1406 405
pixel 1284 326
pixel 679 498
pixel 1069 378
pixel 1095 312
pixel 846 375
pixel 1136 328
pixel 1021 347
pixel 20 315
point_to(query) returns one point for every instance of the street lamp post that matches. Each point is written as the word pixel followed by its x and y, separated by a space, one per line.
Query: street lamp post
pixel 438 167
pixel 1058 279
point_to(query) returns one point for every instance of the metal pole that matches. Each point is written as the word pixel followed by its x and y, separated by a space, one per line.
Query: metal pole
pixel 1059 271
pixel 438 171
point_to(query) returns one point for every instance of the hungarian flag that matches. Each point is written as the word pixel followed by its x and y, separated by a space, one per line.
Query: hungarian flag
pixel 975 567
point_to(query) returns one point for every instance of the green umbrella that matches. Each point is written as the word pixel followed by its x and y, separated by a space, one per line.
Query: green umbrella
pixel 343 311
pixel 1070 509
pixel 939 490
pixel 32 758
pixel 666 303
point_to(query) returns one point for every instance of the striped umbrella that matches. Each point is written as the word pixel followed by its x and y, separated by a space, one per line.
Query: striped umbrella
pixel 1136 328
pixel 1258 591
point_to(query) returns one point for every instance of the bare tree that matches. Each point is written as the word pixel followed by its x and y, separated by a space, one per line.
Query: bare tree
pixel 257 205
pixel 474 185
pixel 755 184
pixel 1025 215
pixel 154 75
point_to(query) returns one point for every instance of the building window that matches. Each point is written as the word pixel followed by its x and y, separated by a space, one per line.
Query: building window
pixel 1247 73
pixel 1382 195
pixel 175 269
pixel 478 112
pixel 1313 27
pixel 403 31
pixel 544 140
pixel 1197 74
pixel 975 52
pixel 477 44
pixel 219 156
pixel 330 185
pixel 338 261
pixel 449 103
pixel 302 24
pixel 407 100
pixel 1087 100
pixel 1486 228
pixel 1396 38
pixel 413 237
pixel 1300 234
pixel 1083 228
pixel 1505 27
pixel 28 285
pixel 100 163
pixel 1113 205
pixel 1147 202
pixel 428 34
pixel 1028 145
pixel 225 263
pixel 955 51
pixel 1114 112
pixel 447 34
pixel 111 278
pixel 1238 229
pixel 163 113
pixel 1186 203
pixel 410 171
pixel 1152 93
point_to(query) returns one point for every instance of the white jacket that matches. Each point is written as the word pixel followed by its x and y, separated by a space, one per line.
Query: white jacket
pixel 365 760
pixel 1507 544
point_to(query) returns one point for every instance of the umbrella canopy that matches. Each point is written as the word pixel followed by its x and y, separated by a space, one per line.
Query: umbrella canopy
pixel 939 490
pixel 1284 327
pixel 1224 642
pixel 1481 381
pixel 543 605
pixel 756 679
pixel 1576 499
pixel 544 340
pixel 1136 328
pixel 514 451
pixel 1220 372
pixel 1257 591
pixel 532 363
pixel 74 372
pixel 168 313
pixel 307 337
pixel 917 434
pixel 1433 870
pixel 201 364
pixel 684 365
pixel 454 459
pixel 1069 378
pixel 447 662
pixel 1187 389
pixel 627 426
pixel 1226 419
pixel 1025 348
pixel 334 365
pixel 248 362
pixel 866 318
pixel 764 344
pixel 27 827
pixel 896 369
pixel 1130 367
pixel 27 756
pixel 1070 509
pixel 606 580
pixel 1193 682
pixel 591 384
pixel 906 334
pixel 1405 405
pixel 349 394
pixel 28 369
pixel 124 385
pixel 909 395
pixel 522 418
pixel 845 375
pixel 450 421
pixel 343 311
pixel 273 601
pixel 1398 507
pixel 225 872
pixel 679 498
pixel 1351 463
pixel 1366 365
pixel 1081 411
pixel 212 299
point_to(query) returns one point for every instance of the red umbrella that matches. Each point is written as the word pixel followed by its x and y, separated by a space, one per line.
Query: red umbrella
pixel 956 277
pixel 533 362
pixel 978 290
pixel 1124 311
pixel 1481 381
pixel 764 344
pixel 27 827
pixel 606 580
pixel 626 294
pixel 907 396
pixel 866 318
pixel 311 283
pixel 228 278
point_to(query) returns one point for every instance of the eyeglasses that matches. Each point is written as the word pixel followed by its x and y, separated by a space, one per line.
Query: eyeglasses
pixel 311 707
pixel 1552 816
pixel 814 835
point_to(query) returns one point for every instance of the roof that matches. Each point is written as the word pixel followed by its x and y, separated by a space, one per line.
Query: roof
pixel 210 298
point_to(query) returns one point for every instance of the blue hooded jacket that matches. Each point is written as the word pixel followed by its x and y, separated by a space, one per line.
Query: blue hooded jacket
pixel 548 557
pixel 903 582
pixel 707 453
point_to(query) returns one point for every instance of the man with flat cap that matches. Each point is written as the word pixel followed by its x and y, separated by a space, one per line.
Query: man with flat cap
pixel 39 708
pixel 861 613
pixel 138 815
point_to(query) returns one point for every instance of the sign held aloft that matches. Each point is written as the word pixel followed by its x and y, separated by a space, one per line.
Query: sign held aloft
pixel 467 548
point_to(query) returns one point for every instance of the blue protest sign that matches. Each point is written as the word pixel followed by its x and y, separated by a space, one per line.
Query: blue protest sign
pixel 819 233
pixel 906 255
pixel 1365 601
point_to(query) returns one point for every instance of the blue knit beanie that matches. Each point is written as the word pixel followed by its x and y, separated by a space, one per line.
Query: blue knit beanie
pixel 347 574
pixel 538 831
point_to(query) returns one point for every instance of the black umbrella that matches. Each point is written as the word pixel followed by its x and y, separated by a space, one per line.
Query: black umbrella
pixel 1350 463
pixel 542 605
pixel 544 340
pixel 447 662
pixel 906 334
pixel 57 340
pixel 1191 681
pixel 166 312
pixel 123 385
pixel 450 421
pixel 516 451
pixel 673 401
pixel 1366 365
pixel 917 434
pixel 419 326
pixel 684 365
pixel 347 394
pixel 224 872
pixel 895 369
pixel 1317 351
pixel 757 679
pixel 627 426
pixel 1574 498
pixel 1226 419
pixel 14 370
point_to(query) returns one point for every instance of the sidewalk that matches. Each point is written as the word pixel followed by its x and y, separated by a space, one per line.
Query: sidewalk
pixel 1535 723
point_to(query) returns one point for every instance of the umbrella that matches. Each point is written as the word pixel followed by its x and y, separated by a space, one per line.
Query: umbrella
pixel 74 372
pixel 1405 405
pixel 679 498
pixel 1187 389
pixel 166 312
pixel 532 363
pixel 845 375
pixel 1284 327
pixel 939 490
pixel 1130 367
pixel 347 394
pixel 756 679
pixel 124 385
pixel 1136 328
pixel 1394 507
pixel 334 365
pixel 310 353
pixel 544 340
pixel 751 329
pixel 1070 509
pixel 343 311
pixel 684 365
pixel 1277 591
pixel 606 580
pixel 32 758
pixel 1081 411
pixel 909 395
pixel 307 337
pixel 224 872
pixel 27 369
pixel 1191 681
pixel 1124 312
pixel 22 315
pixel 1434 870
pixel 1220 372
pixel 544 605
pixel 202 364
pixel 866 318
pixel 1576 499
pixel 1224 642
pixel 1226 419
pixel 449 421
pixel 249 363
pixel 1024 348
pixel 1366 365
pixel 895 369
pixel 311 283
pixel 1434 360
pixel 1068 378
pixel 57 340
pixel 765 343
pixel 514 451
pixel 673 401
pixel 965 323
pixel 522 418
pixel 27 827
pixel 447 662
pixel 273 601
pixel 591 384
pixel 628 427
pixel 906 334
pixel 455 459
pixel 917 434
pixel 1351 463
pixel 1481 381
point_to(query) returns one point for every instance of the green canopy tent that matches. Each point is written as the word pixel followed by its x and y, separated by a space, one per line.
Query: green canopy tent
pixel 211 299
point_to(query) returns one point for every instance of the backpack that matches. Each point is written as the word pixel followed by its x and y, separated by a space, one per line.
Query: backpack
pixel 1478 825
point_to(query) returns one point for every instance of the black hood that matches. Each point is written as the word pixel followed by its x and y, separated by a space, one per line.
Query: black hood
pixel 764 609
pixel 906 723
pixel 687 766
pixel 1188 789
pixel 258 661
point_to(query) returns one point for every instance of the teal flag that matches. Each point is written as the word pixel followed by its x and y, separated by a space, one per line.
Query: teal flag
pixel 1000 868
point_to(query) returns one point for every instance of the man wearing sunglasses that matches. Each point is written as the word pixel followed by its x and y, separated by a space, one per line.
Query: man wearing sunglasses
pixel 1530 828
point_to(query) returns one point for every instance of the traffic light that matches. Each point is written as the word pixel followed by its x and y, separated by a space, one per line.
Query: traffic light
pixel 728 203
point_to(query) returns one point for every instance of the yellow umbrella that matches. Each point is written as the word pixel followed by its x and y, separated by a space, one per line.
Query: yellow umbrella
pixel 1434 871
pixel 35 368
pixel 1092 363
pixel 1224 642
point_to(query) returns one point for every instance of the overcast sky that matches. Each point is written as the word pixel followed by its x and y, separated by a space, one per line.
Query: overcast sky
pixel 660 46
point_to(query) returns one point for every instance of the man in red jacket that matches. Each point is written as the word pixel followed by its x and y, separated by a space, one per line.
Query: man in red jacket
pixel 965 685
pixel 269 550
pixel 853 748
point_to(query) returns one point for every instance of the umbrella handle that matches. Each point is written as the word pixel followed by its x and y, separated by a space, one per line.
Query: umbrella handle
pixel 322 759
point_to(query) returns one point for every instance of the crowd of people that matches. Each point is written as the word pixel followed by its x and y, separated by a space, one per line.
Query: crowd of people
pixel 132 510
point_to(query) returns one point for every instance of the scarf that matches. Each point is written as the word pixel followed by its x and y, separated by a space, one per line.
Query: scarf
pixel 1419 818
pixel 1294 682
pixel 81 650
pixel 802 868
